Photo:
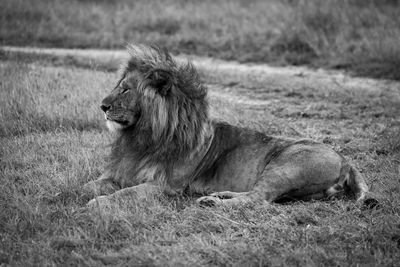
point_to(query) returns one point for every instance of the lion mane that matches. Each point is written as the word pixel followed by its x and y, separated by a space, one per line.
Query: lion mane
pixel 167 142
pixel 173 116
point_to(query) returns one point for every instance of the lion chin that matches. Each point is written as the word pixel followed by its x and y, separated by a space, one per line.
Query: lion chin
pixel 174 146
pixel 114 126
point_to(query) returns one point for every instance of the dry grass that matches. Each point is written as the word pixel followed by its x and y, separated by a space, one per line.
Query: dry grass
pixel 359 35
pixel 52 142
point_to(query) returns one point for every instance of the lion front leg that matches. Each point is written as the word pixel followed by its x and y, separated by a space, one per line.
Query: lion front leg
pixel 126 195
pixel 228 198
pixel 104 185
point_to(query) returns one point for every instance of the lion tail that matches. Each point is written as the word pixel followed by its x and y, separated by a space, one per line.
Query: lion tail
pixel 356 183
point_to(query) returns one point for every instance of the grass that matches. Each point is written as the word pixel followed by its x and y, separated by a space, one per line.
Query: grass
pixel 357 35
pixel 52 141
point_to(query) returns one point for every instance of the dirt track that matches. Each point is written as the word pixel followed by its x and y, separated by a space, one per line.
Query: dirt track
pixel 284 76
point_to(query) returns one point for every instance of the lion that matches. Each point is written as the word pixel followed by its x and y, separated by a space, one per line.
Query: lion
pixel 166 143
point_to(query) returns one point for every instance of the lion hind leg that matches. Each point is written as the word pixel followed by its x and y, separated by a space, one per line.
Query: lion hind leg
pixel 352 180
pixel 338 189
pixel 349 180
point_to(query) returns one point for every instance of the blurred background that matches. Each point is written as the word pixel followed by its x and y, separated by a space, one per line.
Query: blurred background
pixel 361 36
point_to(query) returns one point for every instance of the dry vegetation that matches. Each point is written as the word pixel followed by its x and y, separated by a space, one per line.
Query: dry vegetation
pixel 359 35
pixel 52 142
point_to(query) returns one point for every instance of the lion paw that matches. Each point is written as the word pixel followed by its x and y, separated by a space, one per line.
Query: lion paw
pixel 209 201
pixel 226 194
pixel 99 187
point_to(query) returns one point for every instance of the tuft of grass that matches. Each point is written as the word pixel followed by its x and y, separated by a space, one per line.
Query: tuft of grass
pixel 360 36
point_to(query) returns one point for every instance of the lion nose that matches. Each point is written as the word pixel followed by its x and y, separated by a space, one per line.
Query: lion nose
pixel 105 107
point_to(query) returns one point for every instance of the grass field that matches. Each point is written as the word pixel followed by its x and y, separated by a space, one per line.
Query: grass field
pixel 357 35
pixel 52 141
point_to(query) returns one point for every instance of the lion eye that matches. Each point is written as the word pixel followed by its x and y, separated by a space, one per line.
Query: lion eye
pixel 124 90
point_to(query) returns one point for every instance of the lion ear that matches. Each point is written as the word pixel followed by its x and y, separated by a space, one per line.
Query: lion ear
pixel 160 80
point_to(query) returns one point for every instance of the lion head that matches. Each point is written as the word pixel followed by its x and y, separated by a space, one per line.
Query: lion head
pixel 158 106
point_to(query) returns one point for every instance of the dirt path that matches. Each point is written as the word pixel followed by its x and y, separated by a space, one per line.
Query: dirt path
pixel 281 75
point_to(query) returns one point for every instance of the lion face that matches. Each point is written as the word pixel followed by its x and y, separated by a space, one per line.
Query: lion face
pixel 156 97
pixel 121 107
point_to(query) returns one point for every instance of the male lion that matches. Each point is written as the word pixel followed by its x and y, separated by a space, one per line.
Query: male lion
pixel 166 142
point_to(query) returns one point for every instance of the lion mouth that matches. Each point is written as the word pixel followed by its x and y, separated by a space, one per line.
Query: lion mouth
pixel 122 122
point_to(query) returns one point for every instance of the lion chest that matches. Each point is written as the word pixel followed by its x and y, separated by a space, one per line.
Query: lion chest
pixel 181 175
